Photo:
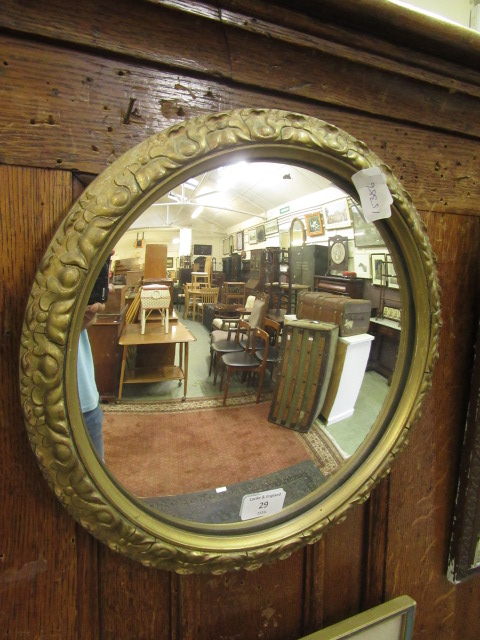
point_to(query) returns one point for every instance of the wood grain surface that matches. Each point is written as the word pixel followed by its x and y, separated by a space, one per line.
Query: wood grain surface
pixel 67 79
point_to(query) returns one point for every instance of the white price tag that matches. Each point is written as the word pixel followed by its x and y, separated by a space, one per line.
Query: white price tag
pixel 266 503
pixel 375 196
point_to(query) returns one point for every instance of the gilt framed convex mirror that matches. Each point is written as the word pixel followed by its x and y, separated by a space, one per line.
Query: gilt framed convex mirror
pixel 90 489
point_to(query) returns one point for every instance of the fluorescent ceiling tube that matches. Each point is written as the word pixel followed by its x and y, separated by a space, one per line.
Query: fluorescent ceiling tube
pixel 197 212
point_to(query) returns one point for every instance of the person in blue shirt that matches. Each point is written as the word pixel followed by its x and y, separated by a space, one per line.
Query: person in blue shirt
pixel 87 388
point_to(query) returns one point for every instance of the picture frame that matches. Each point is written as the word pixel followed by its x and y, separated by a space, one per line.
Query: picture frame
pixel 169 262
pixel 252 236
pixel 239 240
pixel 260 233
pixel 314 224
pixel 377 261
pixel 362 265
pixel 464 551
pixel 271 227
pixel 226 246
pixel 392 620
pixel 392 280
pixel 337 214
pixel 231 241
pixel 365 234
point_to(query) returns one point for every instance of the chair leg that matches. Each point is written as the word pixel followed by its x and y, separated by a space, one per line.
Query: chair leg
pixel 211 363
pixel 218 359
pixel 260 384
pixel 227 382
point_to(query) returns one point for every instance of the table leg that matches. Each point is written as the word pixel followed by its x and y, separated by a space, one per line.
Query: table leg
pixel 122 372
pixel 185 371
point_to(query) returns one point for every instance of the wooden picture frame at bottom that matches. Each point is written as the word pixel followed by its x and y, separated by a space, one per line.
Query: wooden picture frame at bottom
pixel 314 224
pixel 392 620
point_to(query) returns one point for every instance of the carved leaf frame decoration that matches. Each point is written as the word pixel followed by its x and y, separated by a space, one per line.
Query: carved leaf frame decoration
pixel 60 292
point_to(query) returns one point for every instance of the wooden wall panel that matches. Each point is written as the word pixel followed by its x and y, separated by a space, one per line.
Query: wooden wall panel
pixel 38 553
pixel 73 106
pixel 67 80
pixel 227 44
pixel 423 482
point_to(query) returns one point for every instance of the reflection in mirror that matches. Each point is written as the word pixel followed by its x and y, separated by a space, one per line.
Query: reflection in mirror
pixel 181 276
pixel 134 349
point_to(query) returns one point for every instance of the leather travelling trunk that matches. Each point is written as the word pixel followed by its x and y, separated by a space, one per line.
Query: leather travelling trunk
pixel 351 314
pixel 303 373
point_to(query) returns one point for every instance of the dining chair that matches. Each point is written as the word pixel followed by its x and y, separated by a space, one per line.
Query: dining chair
pixel 256 317
pixel 188 300
pixel 209 295
pixel 222 347
pixel 273 350
pixel 246 362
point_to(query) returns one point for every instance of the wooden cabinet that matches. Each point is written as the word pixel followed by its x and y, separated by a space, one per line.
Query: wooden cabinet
pixel 338 285
pixel 155 261
pixel 384 352
pixel 306 262
pixel 107 353
pixel 232 267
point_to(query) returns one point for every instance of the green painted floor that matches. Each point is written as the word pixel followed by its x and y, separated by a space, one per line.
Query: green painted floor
pixel 347 434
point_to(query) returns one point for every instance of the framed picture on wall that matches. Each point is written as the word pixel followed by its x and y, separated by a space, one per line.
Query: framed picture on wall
pixel 226 246
pixel 169 263
pixel 362 265
pixel 260 233
pixel 337 214
pixel 252 236
pixel 392 620
pixel 392 276
pixel 379 275
pixel 271 227
pixel 239 240
pixel 231 241
pixel 314 224
pixel 365 234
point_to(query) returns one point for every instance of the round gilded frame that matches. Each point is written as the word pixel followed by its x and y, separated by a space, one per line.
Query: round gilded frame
pixel 60 292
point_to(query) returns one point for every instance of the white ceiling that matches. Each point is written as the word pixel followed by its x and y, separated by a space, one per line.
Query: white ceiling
pixel 239 194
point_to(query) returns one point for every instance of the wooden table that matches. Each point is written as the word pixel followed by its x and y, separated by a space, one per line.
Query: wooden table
pixel 155 335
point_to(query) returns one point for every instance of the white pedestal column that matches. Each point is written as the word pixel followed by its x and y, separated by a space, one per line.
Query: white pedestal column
pixel 349 367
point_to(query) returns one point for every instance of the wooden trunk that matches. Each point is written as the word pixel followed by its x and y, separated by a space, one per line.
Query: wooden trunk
pixel 303 373
pixel 352 316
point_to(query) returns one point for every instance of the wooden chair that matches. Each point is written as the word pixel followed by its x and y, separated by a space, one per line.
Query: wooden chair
pixel 273 350
pixel 209 296
pixel 256 318
pixel 234 293
pixel 188 300
pixel 218 349
pixel 246 362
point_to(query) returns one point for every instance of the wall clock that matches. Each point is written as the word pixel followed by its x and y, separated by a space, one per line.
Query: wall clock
pixel 338 253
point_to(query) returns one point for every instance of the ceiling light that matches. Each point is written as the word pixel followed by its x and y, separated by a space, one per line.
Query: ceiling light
pixel 197 212
pixel 192 183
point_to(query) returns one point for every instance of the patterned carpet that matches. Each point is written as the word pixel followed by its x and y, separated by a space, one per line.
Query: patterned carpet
pixel 172 448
